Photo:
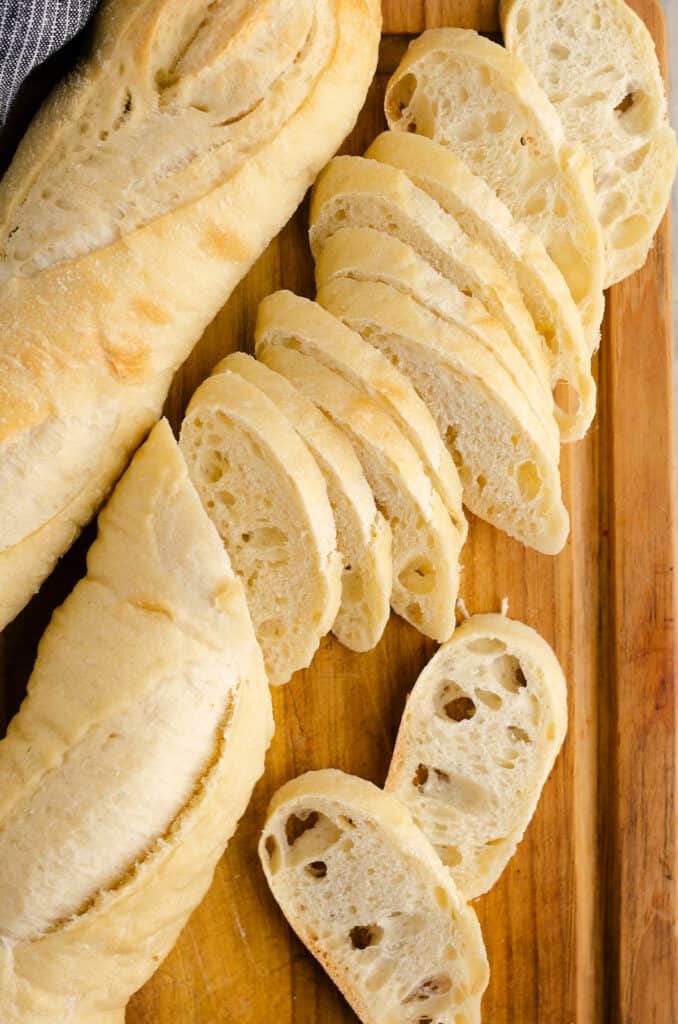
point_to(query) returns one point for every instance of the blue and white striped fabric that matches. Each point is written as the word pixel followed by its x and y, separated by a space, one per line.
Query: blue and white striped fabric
pixel 30 32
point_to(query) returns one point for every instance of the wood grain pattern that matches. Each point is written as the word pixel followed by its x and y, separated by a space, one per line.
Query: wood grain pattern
pixel 579 928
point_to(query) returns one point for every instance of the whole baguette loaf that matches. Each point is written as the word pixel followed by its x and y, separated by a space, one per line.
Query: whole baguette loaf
pixel 131 759
pixel 364 890
pixel 144 190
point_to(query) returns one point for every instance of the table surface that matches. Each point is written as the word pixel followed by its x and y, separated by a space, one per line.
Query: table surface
pixel 671 11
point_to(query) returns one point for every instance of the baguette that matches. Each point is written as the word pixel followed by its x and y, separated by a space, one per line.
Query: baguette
pixel 483 216
pixel 469 94
pixel 287 319
pixel 363 889
pixel 353 191
pixel 363 535
pixel 142 193
pixel 132 757
pixel 426 545
pixel 268 499
pixel 479 736
pixel 508 476
pixel 597 63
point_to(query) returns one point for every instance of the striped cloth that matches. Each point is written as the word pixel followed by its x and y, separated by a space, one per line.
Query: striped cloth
pixel 30 31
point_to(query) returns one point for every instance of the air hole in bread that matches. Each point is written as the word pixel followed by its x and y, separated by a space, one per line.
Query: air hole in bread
pixel 270 629
pixel 566 397
pixel 349 822
pixel 450 856
pixel 522 20
pixel 481 482
pixel 436 985
pixel 413 613
pixel 528 480
pixel 559 51
pixel 491 700
pixel 418 576
pixel 363 936
pixel 635 160
pixel 400 96
pixel 296 825
pixel 535 205
pixel 317 869
pixel 517 734
pixel 507 671
pixel 442 898
pixel 496 121
pixel 625 104
pixel 629 231
pixel 550 731
pixel 271 846
pixel 420 777
pixel 460 709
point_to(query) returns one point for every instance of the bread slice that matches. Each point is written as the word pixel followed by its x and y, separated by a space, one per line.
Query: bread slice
pixel 363 535
pixel 480 734
pixel 482 215
pixel 267 497
pixel 469 94
pixel 426 545
pixel 362 888
pixel 287 319
pixel 508 476
pixel 353 191
pixel 133 756
pixel 597 63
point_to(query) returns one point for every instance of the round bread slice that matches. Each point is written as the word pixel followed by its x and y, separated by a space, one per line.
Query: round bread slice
pixel 426 545
pixel 287 319
pixel 469 94
pixel 363 889
pixel 363 535
pixel 353 191
pixel 482 215
pixel 597 63
pixel 268 500
pixel 508 477
pixel 480 734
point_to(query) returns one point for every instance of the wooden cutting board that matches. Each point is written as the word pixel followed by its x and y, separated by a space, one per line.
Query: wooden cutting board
pixel 579 928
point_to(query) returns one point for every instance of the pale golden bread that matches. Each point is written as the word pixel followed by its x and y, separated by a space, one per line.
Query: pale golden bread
pixel 132 757
pixel 364 890
pixel 268 499
pixel 363 535
pixel 496 687
pixel 482 215
pixel 470 94
pixel 596 62
pixel 142 193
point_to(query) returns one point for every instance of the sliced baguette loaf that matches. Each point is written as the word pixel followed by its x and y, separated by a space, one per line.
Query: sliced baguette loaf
pixel 267 497
pixel 353 191
pixel 363 889
pixel 132 757
pixel 469 94
pixel 364 255
pixel 479 736
pixel 426 545
pixel 597 63
pixel 142 193
pixel 287 319
pixel 507 473
pixel 363 535
pixel 482 215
